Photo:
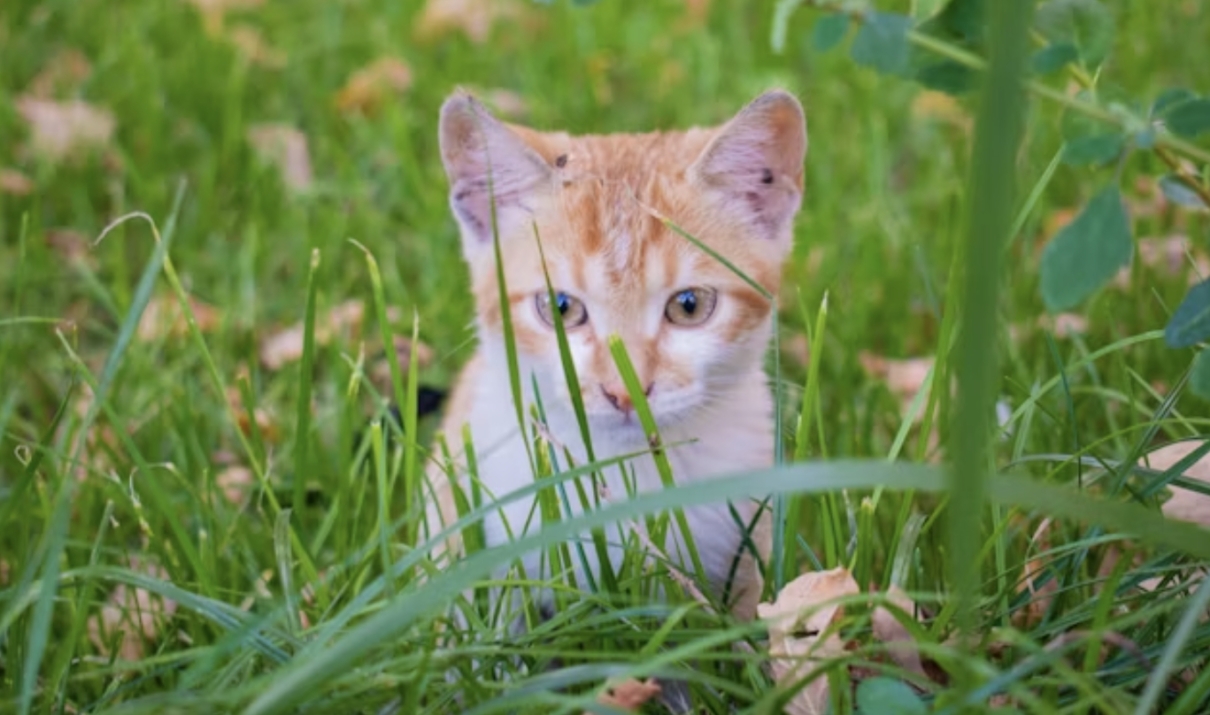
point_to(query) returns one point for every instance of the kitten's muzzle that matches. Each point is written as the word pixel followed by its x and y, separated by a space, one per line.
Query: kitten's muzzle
pixel 620 398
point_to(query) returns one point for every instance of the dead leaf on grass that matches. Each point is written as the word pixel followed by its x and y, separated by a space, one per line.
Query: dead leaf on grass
pixel 15 183
pixel 286 345
pixel 61 76
pixel 1041 596
pixel 213 12
pixel 905 378
pixel 473 18
pixel 62 130
pixel 136 612
pixel 901 646
pixel 1064 325
pixel 236 483
pixel 384 79
pixel 629 694
pixel 265 422
pixel 252 46
pixel 285 148
pixel 163 318
pixel 1185 505
pixel 798 619
pixel 70 244
pixel 941 107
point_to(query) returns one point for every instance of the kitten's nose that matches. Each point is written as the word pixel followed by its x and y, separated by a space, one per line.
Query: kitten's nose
pixel 620 398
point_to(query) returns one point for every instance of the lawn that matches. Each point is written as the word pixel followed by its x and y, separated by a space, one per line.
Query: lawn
pixel 210 514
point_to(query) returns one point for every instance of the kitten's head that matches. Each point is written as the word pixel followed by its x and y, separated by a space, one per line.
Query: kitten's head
pixel 691 326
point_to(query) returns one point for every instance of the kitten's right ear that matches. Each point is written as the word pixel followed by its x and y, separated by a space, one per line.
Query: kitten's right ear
pixel 484 158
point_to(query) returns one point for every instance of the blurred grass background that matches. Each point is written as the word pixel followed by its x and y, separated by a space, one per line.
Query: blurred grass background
pixel 187 84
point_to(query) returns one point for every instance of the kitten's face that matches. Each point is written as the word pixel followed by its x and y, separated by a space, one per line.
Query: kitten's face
pixel 690 325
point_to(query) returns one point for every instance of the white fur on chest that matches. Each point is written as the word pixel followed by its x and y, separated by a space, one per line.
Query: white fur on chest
pixel 732 435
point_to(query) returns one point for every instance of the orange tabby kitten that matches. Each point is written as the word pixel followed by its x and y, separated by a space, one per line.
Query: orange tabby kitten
pixel 696 332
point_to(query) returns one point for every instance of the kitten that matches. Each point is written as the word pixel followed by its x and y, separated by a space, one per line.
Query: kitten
pixel 695 331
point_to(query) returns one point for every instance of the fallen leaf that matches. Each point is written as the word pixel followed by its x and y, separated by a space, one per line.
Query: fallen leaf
pixel 1041 596
pixel 163 318
pixel 15 183
pixel 383 79
pixel 70 244
pixel 798 619
pixel 901 646
pixel 136 612
pixel 286 345
pixel 629 694
pixel 61 76
pixel 406 351
pixel 1185 505
pixel 235 483
pixel 905 378
pixel 265 423
pixel 59 130
pixel 474 18
pixel 940 107
pixel 1064 325
pixel 253 46
pixel 213 12
pixel 285 148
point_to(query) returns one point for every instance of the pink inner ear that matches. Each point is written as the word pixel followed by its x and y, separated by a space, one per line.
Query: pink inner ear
pixel 473 143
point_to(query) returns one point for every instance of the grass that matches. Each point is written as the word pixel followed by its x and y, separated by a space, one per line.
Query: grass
pixel 299 597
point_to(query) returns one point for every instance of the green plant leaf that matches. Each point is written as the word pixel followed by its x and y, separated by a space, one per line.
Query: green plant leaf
pixel 1189 118
pixel 1190 322
pixel 882 43
pixel 1169 99
pixel 887 696
pixel 1199 379
pixel 829 31
pixel 924 9
pixel 949 77
pixel 1085 24
pixel 1053 58
pixel 1087 252
pixel 1098 149
pixel 1177 192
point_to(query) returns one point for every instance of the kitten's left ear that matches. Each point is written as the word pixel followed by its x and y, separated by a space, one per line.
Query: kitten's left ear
pixel 755 163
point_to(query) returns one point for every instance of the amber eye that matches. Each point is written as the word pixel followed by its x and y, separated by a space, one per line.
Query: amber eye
pixel 571 309
pixel 691 306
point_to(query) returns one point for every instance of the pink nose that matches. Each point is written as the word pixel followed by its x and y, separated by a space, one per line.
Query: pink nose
pixel 620 398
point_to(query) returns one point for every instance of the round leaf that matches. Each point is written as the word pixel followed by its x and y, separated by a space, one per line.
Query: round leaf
pixel 1086 24
pixel 828 31
pixel 1189 118
pixel 887 696
pixel 1087 252
pixel 882 42
pixel 1053 58
pixel 1190 322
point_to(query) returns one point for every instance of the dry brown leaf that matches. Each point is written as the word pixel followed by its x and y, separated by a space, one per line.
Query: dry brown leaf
pixel 890 630
pixel 905 378
pixel 59 130
pixel 253 46
pixel 474 18
pixel 803 612
pixel 61 76
pixel 406 351
pixel 265 421
pixel 235 482
pixel 285 148
pixel 1185 505
pixel 1041 596
pixel 15 183
pixel 629 694
pixel 941 107
pixel 214 11
pixel 70 244
pixel 383 79
pixel 136 612
pixel 1064 325
pixel 163 318
pixel 286 345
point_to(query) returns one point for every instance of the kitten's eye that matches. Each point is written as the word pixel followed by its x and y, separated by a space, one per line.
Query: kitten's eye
pixel 571 309
pixel 691 306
